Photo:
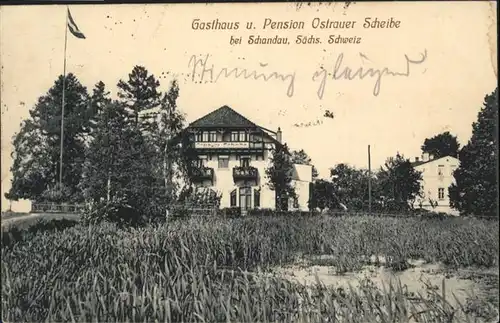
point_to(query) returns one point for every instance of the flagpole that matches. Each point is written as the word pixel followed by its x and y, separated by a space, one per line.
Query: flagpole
pixel 63 102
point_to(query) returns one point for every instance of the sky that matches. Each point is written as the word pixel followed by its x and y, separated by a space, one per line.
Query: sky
pixel 442 93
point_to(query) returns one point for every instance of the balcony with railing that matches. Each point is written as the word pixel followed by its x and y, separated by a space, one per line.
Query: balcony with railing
pixel 203 173
pixel 245 173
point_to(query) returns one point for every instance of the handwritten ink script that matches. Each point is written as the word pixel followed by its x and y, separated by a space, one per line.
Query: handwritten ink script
pixel 340 71
pixel 204 71
pixel 213 74
pixel 317 122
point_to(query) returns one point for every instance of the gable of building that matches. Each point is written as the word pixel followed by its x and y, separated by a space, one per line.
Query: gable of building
pixel 226 117
pixel 302 173
pixel 223 117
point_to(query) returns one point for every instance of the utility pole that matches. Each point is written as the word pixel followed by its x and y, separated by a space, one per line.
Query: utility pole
pixel 369 182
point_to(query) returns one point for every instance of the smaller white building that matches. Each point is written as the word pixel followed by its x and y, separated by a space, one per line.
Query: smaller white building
pixel 437 176
pixel 301 180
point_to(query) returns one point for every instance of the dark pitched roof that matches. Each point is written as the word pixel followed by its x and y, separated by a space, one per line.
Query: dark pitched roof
pixel 421 162
pixel 222 117
pixel 227 117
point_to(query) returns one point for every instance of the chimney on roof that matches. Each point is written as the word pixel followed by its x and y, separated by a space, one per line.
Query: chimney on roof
pixel 425 157
pixel 278 135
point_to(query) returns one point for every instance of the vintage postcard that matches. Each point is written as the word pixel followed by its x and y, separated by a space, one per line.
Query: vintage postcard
pixel 236 138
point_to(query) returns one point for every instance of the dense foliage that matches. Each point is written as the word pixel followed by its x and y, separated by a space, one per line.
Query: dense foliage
pixel 476 188
pixel 394 187
pixel 36 151
pixel 399 183
pixel 323 196
pixel 441 145
pixel 350 186
pixel 279 175
pixel 139 93
pixel 122 175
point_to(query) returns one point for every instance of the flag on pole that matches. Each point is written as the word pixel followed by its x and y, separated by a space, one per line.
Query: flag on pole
pixel 73 28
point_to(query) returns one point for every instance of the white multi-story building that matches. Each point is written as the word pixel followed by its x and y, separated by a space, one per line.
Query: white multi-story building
pixel 233 153
pixel 437 176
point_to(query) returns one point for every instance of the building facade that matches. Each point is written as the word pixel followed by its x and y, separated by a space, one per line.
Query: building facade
pixel 232 155
pixel 437 176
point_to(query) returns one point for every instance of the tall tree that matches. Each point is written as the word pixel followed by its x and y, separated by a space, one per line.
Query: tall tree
pixel 399 183
pixel 323 195
pixel 280 174
pixel 443 144
pixel 164 130
pixel 350 185
pixel 476 188
pixel 37 145
pixel 98 101
pixel 301 157
pixel 139 92
pixel 98 171
pixel 33 168
pixel 124 174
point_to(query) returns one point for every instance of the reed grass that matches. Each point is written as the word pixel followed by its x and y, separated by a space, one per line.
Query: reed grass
pixel 209 270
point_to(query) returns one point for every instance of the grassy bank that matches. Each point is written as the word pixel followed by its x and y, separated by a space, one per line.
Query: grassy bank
pixel 204 270
pixel 10 215
pixel 25 222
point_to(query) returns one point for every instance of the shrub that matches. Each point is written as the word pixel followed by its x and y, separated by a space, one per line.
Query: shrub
pixel 180 212
pixel 303 213
pixel 261 212
pixel 57 194
pixel 270 212
pixel 14 234
pixel 200 197
pixel 115 211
